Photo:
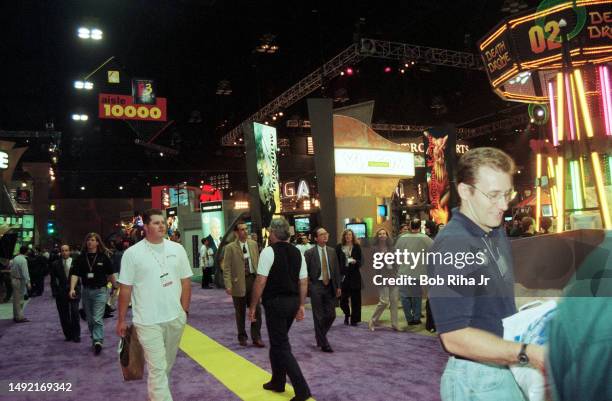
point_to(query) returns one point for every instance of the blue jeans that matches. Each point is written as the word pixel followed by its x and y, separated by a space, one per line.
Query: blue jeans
pixel 473 381
pixel 412 308
pixel 94 301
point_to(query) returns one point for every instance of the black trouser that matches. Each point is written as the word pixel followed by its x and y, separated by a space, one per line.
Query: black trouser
pixel 355 309
pixel 68 310
pixel 38 284
pixel 6 278
pixel 207 276
pixel 323 301
pixel 280 313
pixel 240 307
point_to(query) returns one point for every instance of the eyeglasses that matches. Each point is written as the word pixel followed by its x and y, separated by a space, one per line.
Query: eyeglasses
pixel 495 197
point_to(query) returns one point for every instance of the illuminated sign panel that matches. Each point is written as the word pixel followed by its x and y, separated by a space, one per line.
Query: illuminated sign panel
pixel 4 160
pixel 374 162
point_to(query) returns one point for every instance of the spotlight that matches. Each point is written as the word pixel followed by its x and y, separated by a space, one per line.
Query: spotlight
pixel 280 113
pixel 96 34
pixel 24 184
pixel 120 187
pixel 349 71
pixel 387 69
pixel 82 188
pixel 79 84
pixel 402 71
pixel 84 33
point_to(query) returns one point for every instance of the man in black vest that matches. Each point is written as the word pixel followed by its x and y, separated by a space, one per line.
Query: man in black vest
pixel 282 282
pixel 67 308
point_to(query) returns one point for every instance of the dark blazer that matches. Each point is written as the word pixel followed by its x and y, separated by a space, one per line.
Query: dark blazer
pixel 313 262
pixel 351 276
pixel 59 282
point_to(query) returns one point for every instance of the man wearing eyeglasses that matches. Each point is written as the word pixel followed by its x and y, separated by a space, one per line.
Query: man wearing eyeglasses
pixel 469 317
pixel 239 272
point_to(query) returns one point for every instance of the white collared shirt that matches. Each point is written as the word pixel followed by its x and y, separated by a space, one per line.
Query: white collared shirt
pixel 245 245
pixel 67 263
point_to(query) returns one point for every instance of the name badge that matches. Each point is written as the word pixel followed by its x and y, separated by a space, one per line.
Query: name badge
pixel 165 280
pixel 90 275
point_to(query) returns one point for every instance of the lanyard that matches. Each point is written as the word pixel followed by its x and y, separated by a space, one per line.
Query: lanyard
pixel 499 261
pixel 161 265
pixel 91 265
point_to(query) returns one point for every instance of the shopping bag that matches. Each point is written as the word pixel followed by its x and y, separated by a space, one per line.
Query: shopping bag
pixel 530 326
pixel 131 355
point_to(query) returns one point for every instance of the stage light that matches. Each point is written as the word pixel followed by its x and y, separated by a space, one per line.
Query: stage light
pixel 120 187
pixel 349 71
pixel 76 117
pixel 560 175
pixel 82 188
pixel 406 65
pixel 570 106
pixel 84 117
pixel 553 119
pixel 161 154
pixel 88 85
pixel 84 33
pixel 402 71
pixel 560 118
pixel 601 191
pixel 538 190
pixel 387 69
pixel 79 84
pixel 341 73
pixel 273 118
pixel 96 34
pixel 280 113
pixel 52 207
pixel 583 103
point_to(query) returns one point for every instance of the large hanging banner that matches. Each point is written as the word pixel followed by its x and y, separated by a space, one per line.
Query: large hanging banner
pixel 267 171
pixel 122 107
pixel 439 146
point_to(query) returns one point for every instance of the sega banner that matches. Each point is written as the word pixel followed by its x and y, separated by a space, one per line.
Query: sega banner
pixel 122 107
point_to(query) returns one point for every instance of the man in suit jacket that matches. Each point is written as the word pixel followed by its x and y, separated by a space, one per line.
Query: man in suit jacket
pixel 67 307
pixel 324 277
pixel 239 266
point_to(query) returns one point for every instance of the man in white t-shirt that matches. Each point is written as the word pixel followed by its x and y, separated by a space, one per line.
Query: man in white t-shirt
pixel 155 276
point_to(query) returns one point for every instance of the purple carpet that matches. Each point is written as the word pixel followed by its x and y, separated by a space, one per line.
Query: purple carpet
pixel 383 365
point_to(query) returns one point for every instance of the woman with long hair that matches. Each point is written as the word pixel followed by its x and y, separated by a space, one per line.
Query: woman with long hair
pixel 388 295
pixel 93 266
pixel 349 256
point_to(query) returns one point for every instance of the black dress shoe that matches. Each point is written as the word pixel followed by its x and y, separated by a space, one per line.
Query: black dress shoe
pixel 327 349
pixel 273 387
pixel 243 342
pixel 300 397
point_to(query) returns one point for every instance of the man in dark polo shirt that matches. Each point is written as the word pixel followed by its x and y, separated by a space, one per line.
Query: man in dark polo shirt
pixel 471 286
pixel 282 282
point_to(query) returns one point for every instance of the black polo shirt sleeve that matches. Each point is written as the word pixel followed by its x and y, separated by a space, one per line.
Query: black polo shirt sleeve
pixel 108 266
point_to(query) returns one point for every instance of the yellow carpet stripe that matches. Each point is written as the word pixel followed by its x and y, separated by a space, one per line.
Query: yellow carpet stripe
pixel 239 375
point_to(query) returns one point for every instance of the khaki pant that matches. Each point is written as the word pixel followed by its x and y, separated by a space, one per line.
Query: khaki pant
pixel 18 289
pixel 160 344
pixel 387 295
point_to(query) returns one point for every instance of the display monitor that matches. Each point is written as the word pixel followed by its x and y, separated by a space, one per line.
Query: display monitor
pixel 359 229
pixel 547 211
pixel 302 224
pixel 382 210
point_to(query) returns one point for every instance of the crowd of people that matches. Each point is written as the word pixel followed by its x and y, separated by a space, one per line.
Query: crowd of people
pixel 154 277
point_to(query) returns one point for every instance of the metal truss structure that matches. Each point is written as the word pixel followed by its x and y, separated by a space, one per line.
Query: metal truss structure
pixel 505 124
pixel 55 135
pixel 351 56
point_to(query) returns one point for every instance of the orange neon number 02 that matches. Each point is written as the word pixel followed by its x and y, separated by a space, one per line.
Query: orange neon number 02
pixel 117 110
pixel 542 39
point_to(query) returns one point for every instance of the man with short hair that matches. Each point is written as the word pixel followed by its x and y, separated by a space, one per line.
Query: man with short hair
pixel 155 276
pixel 324 277
pixel 67 307
pixel 282 283
pixel 478 292
pixel 239 266
pixel 20 280
pixel 415 243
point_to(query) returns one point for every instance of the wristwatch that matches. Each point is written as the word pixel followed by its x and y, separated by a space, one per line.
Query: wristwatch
pixel 523 359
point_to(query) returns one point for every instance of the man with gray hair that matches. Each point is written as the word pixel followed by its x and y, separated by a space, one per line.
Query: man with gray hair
pixel 282 282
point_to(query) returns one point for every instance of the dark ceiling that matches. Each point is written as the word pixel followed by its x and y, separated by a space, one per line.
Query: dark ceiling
pixel 187 47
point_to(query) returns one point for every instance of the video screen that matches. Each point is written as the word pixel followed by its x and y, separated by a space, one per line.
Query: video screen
pixel 359 229
pixel 302 224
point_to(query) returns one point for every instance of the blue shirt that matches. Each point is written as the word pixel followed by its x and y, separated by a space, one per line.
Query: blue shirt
pixel 456 305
